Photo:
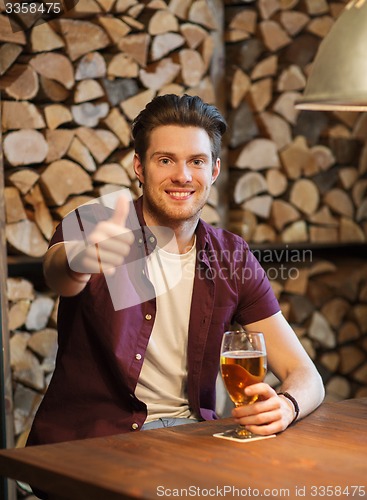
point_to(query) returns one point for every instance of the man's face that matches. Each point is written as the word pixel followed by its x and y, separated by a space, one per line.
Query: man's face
pixel 177 174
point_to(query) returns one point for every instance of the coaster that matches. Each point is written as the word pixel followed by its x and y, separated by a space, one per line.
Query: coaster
pixel 248 440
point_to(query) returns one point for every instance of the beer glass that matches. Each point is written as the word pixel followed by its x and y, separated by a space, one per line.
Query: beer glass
pixel 242 363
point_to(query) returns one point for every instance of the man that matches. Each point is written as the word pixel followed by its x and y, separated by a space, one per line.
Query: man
pixel 139 348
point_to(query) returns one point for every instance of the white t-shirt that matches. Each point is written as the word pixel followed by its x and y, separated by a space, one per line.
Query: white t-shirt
pixel 162 384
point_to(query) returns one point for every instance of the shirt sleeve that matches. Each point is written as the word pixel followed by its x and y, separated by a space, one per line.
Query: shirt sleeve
pixel 257 300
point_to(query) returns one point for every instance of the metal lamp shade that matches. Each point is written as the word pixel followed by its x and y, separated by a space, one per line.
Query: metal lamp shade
pixel 338 79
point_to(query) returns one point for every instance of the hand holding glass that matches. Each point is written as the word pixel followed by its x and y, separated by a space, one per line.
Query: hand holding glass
pixel 242 363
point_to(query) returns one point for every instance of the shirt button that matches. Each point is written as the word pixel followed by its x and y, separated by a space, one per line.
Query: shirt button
pixel 138 356
pixel 152 239
pixel 148 317
pixel 140 241
pixel 135 426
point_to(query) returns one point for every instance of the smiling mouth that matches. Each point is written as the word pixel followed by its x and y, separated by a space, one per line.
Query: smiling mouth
pixel 180 195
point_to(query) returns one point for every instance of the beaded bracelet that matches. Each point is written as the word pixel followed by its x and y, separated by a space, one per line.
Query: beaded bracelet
pixel 294 402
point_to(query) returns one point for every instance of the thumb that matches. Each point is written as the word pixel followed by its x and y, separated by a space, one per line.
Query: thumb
pixel 121 211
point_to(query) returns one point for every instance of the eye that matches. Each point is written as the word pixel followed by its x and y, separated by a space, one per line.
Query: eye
pixel 198 162
pixel 164 161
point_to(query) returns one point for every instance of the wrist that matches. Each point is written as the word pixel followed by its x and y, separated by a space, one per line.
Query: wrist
pixel 80 278
pixel 293 403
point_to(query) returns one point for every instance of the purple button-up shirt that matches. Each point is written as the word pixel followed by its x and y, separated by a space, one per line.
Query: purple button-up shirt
pixel 101 350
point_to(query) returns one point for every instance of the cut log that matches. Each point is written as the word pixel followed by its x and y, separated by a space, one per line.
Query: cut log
pixel 258 154
pixel 81 154
pixel 275 38
pixel 260 205
pixel 82 37
pixel 194 35
pixel 320 26
pixel 264 234
pixel 56 115
pixel 285 106
pixel 350 231
pixel 43 38
pixel 91 65
pixel 88 90
pixel 20 82
pixel 277 129
pixel 248 186
pixel 39 313
pixel 55 67
pixel 266 67
pixel 291 78
pixel 165 43
pixel 123 66
pixel 162 21
pixel 24 237
pixel 101 143
pixel 298 283
pixel 9 53
pixel 305 196
pixel 14 210
pixel 58 143
pixel 244 20
pixel 116 122
pixel 112 173
pixel 268 7
pixel 63 178
pixel 114 27
pixel 240 85
pixel 320 234
pixel 19 115
pixel 132 106
pixel 283 213
pixel 261 94
pixel 295 233
pixel 19 289
pixel 200 13
pixel 11 32
pixel 339 201
pixel 158 74
pixel 324 218
pixel 335 311
pixel 348 176
pixel 23 179
pixel 297 158
pixel 52 90
pixel 293 21
pixel 243 223
pixel 89 114
pixel 42 216
pixel 192 67
pixel 136 46
pixel 276 182
pixel 72 203
pixel 323 156
pixel 180 8
pixel 25 147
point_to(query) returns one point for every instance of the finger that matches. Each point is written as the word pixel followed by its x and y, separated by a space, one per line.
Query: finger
pixel 121 211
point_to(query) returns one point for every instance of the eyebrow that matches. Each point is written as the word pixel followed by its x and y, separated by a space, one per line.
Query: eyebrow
pixel 173 155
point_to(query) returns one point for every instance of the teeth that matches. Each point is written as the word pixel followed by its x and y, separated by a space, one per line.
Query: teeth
pixel 179 194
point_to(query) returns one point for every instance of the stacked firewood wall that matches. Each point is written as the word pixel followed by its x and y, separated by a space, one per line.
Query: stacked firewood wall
pixel 298 180
pixel 295 176
pixel 70 89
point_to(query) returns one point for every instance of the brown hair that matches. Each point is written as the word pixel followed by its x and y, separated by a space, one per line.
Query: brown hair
pixel 185 110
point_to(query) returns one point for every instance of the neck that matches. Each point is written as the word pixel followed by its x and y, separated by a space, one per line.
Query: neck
pixel 181 235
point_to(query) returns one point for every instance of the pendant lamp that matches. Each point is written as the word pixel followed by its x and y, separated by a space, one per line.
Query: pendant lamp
pixel 338 78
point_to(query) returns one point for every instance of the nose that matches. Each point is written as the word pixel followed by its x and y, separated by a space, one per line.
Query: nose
pixel 181 173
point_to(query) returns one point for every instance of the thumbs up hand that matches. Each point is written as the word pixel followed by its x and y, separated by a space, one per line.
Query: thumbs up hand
pixel 107 246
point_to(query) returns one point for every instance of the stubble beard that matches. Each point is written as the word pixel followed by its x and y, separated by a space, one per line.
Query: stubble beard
pixel 173 218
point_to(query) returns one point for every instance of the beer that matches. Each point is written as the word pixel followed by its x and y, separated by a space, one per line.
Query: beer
pixel 240 369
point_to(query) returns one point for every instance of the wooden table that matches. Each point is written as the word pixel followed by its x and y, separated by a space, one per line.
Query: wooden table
pixel 324 455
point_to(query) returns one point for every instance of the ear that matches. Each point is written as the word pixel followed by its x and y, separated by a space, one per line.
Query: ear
pixel 138 168
pixel 216 170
